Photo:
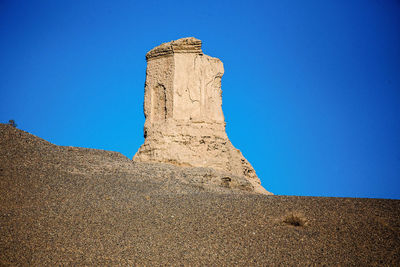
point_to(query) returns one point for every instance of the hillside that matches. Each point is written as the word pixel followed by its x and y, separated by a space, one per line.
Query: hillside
pixel 78 206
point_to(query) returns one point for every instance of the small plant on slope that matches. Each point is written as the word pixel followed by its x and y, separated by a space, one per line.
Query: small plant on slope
pixel 295 220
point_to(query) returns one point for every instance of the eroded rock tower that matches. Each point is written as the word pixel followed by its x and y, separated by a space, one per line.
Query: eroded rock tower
pixel 184 123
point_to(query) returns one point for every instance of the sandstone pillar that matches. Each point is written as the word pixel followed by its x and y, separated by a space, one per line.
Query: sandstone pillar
pixel 184 123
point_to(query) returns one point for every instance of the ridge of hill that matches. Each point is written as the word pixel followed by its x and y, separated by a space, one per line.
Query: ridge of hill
pixel 78 206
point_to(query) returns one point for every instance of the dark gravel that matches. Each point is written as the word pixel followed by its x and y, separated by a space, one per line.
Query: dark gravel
pixel 77 206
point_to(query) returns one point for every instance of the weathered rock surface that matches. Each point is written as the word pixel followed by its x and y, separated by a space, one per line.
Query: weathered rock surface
pixel 185 124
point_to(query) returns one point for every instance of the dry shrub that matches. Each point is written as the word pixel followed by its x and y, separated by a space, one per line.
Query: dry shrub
pixel 295 219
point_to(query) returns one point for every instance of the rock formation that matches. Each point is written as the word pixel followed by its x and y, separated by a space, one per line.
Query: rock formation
pixel 184 123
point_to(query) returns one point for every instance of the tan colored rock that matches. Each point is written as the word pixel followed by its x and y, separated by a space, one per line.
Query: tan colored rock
pixel 185 124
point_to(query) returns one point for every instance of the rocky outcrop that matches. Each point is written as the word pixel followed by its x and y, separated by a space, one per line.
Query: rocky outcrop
pixel 184 123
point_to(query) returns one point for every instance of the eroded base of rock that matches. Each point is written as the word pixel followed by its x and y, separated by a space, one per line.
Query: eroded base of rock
pixel 197 145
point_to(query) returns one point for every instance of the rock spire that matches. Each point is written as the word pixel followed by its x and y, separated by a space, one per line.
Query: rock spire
pixel 184 123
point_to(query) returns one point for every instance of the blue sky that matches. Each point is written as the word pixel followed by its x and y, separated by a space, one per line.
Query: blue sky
pixel 311 91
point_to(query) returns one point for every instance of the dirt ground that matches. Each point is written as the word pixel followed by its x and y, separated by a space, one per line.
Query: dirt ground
pixel 77 206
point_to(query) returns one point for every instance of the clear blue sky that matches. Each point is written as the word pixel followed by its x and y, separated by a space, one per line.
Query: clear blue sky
pixel 311 91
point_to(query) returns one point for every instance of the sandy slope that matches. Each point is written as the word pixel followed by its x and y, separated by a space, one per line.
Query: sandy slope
pixel 65 205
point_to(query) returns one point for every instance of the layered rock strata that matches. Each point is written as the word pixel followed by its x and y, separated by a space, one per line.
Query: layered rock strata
pixel 184 123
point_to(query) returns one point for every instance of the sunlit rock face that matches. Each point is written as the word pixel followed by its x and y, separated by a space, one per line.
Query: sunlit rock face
pixel 185 124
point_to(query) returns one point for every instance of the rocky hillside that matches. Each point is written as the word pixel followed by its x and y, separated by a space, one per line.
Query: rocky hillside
pixel 78 206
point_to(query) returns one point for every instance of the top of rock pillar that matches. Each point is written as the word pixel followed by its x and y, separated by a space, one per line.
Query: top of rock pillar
pixel 183 45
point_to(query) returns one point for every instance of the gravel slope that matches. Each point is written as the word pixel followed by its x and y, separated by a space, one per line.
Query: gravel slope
pixel 77 206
